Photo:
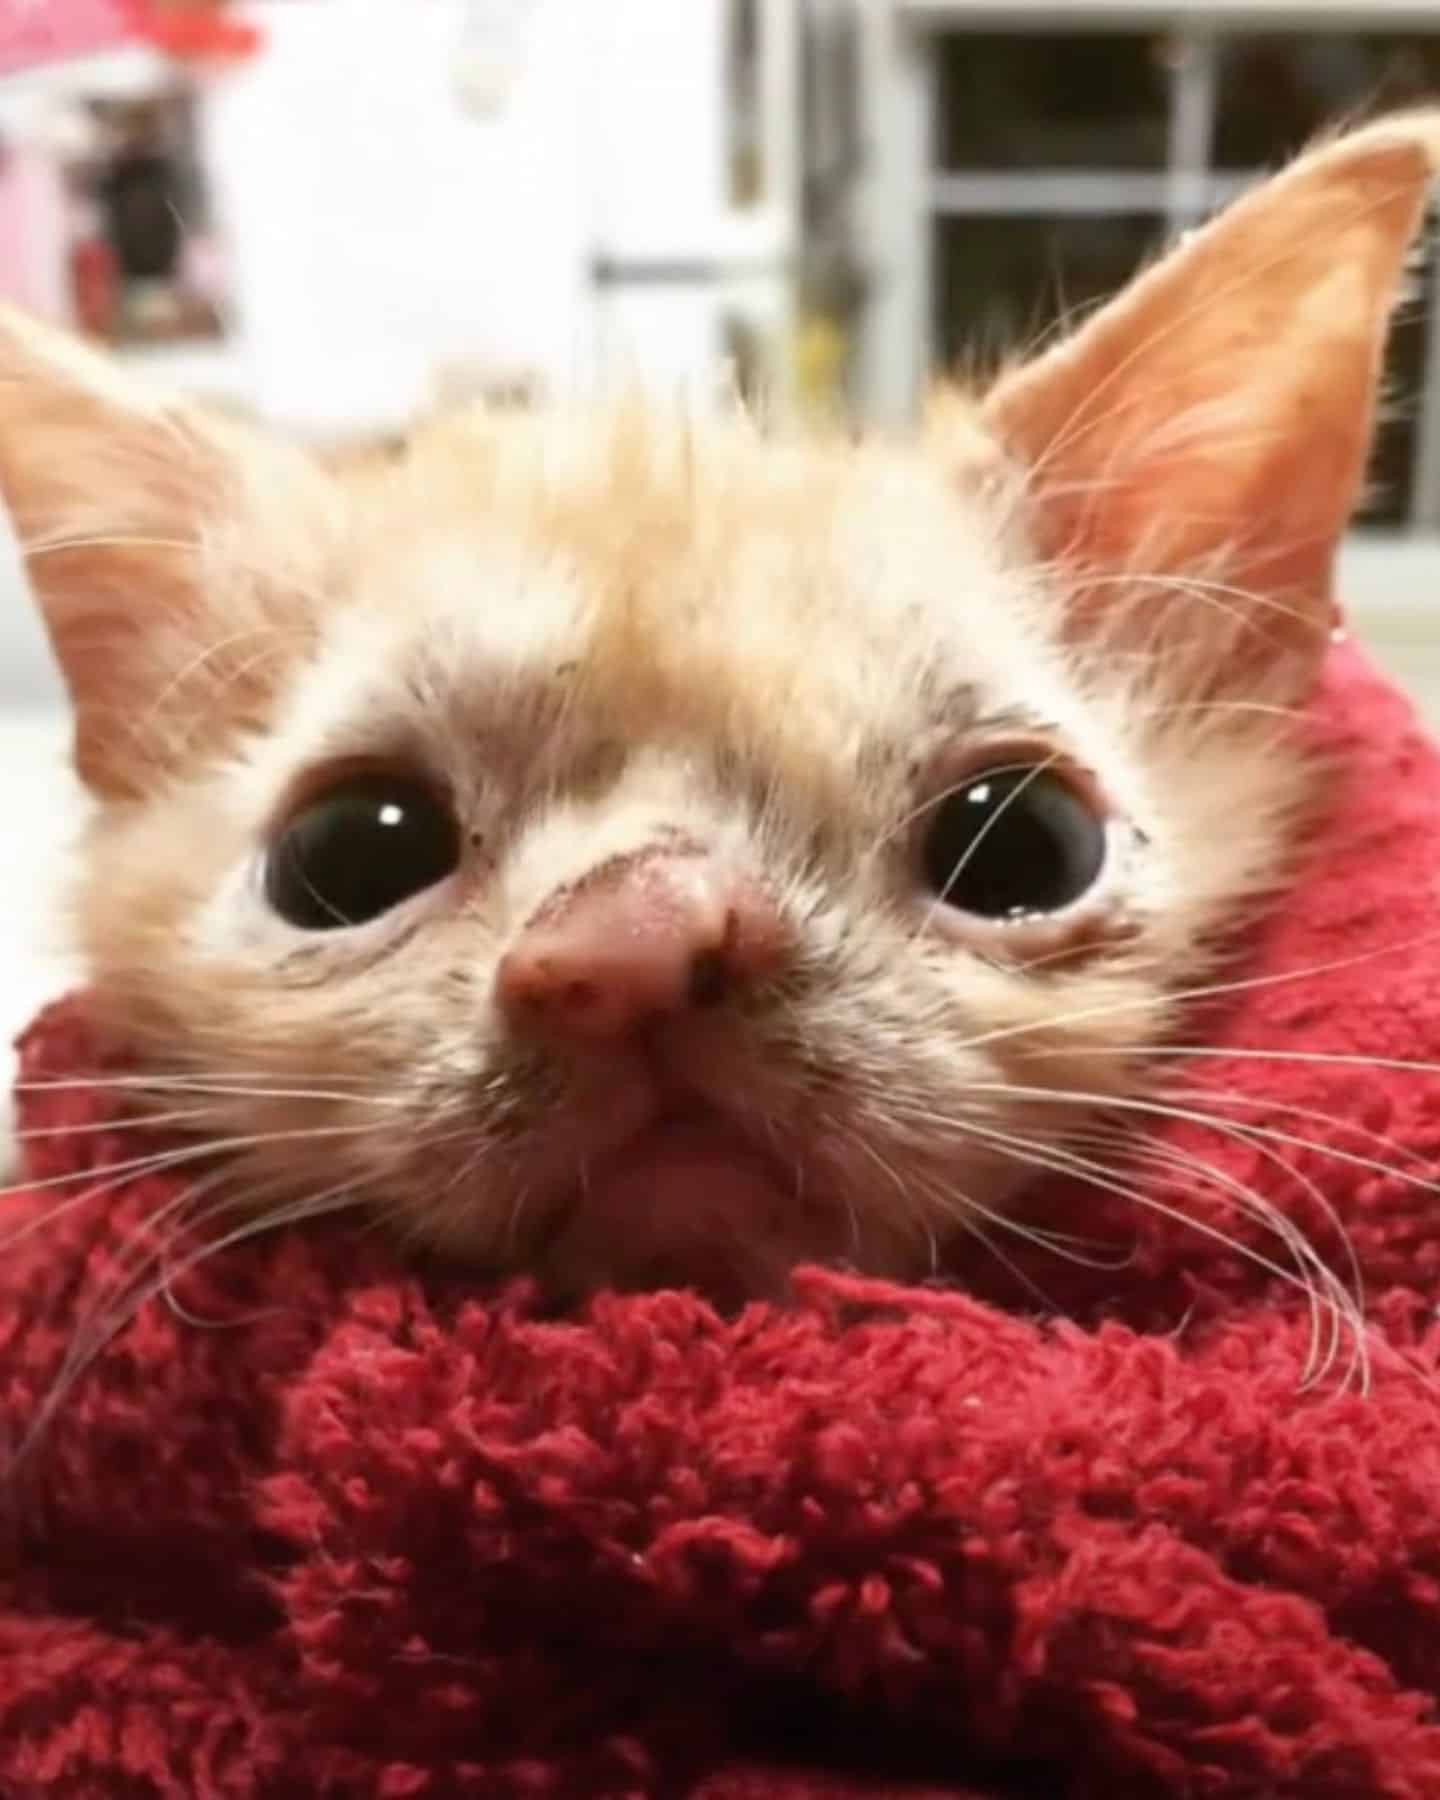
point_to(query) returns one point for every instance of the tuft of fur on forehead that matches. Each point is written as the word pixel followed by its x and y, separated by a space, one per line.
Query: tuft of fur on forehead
pixel 706 580
pixel 732 583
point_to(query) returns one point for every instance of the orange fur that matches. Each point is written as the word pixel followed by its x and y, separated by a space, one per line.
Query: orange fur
pixel 589 631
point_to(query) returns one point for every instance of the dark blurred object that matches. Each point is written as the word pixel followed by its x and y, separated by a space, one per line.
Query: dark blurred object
pixel 746 148
pixel 831 286
pixel 1077 100
pixel 1276 92
pixel 1003 284
pixel 139 192
pixel 140 196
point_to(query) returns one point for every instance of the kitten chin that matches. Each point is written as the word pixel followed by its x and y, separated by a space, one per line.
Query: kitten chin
pixel 627 846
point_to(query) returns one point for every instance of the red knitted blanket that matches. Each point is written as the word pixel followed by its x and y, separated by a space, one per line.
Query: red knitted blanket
pixel 313 1523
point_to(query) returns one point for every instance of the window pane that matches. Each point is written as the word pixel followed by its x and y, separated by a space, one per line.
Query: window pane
pixel 1001 282
pixel 1277 91
pixel 1392 471
pixel 1051 100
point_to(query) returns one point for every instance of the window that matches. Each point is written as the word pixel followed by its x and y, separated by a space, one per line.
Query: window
pixel 1003 282
pixel 1073 101
pixel 1275 91
pixel 1060 160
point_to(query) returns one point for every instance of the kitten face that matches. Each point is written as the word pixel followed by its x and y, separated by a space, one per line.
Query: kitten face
pixel 782 658
pixel 657 660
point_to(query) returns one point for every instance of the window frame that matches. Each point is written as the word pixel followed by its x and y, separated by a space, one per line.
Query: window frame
pixel 904 192
pixel 1221 16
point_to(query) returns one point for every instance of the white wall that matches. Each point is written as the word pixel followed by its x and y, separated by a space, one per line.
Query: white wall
pixel 377 227
pixel 374 226
pixel 659 170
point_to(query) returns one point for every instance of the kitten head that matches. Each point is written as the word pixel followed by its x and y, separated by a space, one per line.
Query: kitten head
pixel 628 847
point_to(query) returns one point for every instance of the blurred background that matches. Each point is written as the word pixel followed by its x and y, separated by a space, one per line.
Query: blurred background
pixel 330 212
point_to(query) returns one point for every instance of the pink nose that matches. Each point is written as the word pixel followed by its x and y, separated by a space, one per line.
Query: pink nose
pixel 641 938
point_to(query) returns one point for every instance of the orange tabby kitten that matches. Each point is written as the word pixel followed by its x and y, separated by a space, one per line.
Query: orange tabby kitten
pixel 633 848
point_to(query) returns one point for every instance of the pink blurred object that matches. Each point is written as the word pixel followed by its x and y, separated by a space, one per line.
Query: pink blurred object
pixel 35 32
pixel 34 233
pixel 204 270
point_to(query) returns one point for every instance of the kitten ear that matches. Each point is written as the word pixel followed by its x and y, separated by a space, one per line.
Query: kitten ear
pixel 1213 423
pixel 127 508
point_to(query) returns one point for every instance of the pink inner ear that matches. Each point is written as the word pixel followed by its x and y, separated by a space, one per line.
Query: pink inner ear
pixel 1216 418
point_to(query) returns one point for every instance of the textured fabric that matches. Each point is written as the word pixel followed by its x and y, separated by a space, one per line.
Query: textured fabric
pixel 313 1523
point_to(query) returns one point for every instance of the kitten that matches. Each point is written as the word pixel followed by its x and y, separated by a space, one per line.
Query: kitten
pixel 631 848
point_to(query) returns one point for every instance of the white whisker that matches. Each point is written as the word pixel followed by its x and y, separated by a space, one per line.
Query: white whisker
pixel 1062 1159
pixel 1209 991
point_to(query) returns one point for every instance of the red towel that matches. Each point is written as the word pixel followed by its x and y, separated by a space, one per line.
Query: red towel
pixel 314 1524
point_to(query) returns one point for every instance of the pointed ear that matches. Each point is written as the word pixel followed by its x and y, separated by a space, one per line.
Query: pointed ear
pixel 1210 428
pixel 136 519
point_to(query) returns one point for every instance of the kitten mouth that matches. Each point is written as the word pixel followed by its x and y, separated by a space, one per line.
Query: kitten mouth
pixel 687 1173
pixel 688 1200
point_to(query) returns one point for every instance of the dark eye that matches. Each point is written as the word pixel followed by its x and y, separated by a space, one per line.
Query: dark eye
pixel 1012 843
pixel 359 849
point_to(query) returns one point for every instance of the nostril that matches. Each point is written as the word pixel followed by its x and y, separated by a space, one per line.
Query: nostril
pixel 577 998
pixel 709 978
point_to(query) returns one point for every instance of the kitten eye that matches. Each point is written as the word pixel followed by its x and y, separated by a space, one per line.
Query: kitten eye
pixel 1014 842
pixel 359 849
